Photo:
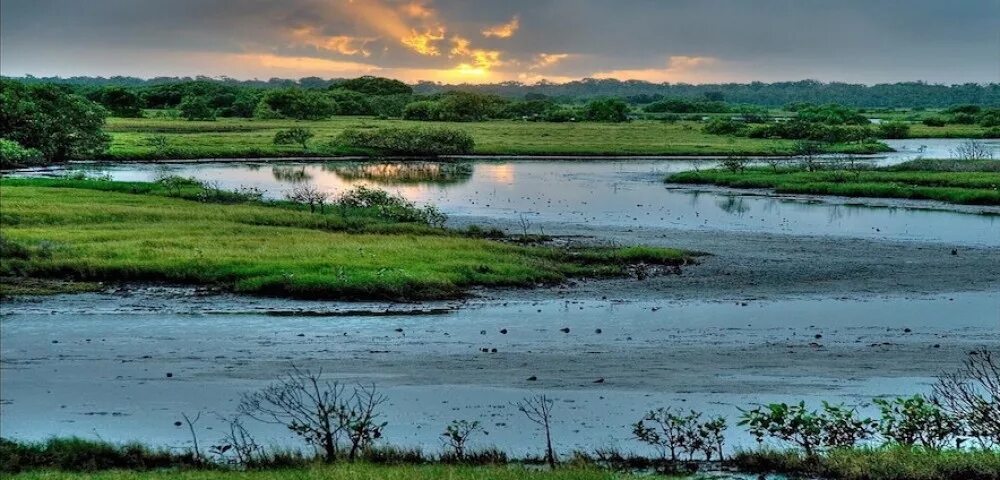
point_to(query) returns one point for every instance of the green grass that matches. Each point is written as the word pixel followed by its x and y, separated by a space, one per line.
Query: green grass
pixel 889 463
pixel 95 231
pixel 357 471
pixel 935 183
pixel 243 138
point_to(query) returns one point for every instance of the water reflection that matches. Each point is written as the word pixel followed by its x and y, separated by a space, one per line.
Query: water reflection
pixel 733 204
pixel 402 173
pixel 628 194
pixel 294 175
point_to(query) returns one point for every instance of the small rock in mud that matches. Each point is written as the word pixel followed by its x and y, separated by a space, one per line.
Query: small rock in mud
pixel 503 331
pixel 482 332
pixel 532 378
pixel 564 329
pixel 177 424
pixel 907 330
pixel 598 331
pixel 170 375
pixel 599 380
pixel 399 330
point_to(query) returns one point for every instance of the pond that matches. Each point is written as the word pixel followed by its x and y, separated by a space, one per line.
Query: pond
pixel 626 193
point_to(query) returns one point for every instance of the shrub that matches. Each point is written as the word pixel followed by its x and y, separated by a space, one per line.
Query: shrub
pixel 606 110
pixel 196 108
pixel 831 114
pixel 894 130
pixel 297 103
pixel 416 141
pixel 423 110
pixel 735 164
pixel 392 207
pixel 13 155
pixel 724 126
pixel 935 121
pixel 294 135
pixel 910 421
pixel 834 426
pixel 560 115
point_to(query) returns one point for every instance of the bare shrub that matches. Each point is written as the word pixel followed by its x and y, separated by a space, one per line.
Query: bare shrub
pixel 972 394
pixel 457 434
pixel 972 150
pixel 538 409
pixel 238 446
pixel 735 164
pixel 309 195
pixel 674 433
pixel 322 413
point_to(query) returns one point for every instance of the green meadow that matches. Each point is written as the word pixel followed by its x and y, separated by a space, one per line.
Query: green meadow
pixel 133 139
pixel 91 230
pixel 945 181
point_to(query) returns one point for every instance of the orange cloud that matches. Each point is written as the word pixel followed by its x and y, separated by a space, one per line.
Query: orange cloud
pixel 301 64
pixel 418 9
pixel 479 58
pixel 679 68
pixel 543 60
pixel 391 21
pixel 342 44
pixel 504 30
pixel 424 43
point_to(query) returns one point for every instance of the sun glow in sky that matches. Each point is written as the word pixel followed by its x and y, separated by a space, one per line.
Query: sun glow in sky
pixel 692 41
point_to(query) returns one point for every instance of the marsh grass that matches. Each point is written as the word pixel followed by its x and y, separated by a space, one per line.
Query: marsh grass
pixel 243 138
pixel 942 180
pixel 888 463
pixel 94 231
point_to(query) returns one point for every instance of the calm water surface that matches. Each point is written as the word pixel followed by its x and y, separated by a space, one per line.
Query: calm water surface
pixel 617 193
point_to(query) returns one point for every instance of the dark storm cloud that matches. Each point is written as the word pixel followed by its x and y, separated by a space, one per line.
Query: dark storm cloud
pixel 667 40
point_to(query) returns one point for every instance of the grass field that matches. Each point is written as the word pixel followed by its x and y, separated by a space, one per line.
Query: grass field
pixel 346 472
pixel 889 463
pixel 934 183
pixel 226 138
pixel 93 231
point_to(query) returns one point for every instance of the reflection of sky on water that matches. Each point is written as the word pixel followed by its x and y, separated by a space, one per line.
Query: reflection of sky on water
pixel 620 192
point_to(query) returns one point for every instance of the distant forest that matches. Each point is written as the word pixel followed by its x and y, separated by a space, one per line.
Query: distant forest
pixel 904 94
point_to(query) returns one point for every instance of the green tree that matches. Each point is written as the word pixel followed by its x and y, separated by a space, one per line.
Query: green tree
pixel 370 85
pixel 294 135
pixel 196 108
pixel 46 118
pixel 121 102
pixel 606 110
pixel 299 104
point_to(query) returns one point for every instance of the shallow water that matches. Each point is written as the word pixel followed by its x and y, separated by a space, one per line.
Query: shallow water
pixel 609 192
pixel 100 372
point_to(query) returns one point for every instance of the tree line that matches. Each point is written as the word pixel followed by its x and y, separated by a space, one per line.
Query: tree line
pixel 886 95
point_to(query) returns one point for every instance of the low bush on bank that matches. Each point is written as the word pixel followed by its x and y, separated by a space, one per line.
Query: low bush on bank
pixel 411 141
pixel 952 181
pixel 889 463
pixel 13 155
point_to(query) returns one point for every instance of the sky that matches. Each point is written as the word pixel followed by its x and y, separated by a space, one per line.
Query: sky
pixel 480 41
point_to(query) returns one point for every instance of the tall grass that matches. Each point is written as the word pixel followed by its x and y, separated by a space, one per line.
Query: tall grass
pixel 927 180
pixel 889 463
pixel 242 138
pixel 107 235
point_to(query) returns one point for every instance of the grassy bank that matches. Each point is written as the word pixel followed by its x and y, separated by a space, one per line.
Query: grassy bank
pixel 346 472
pixel 131 138
pixel 92 230
pixel 946 181
pixel 75 458
pixel 891 463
